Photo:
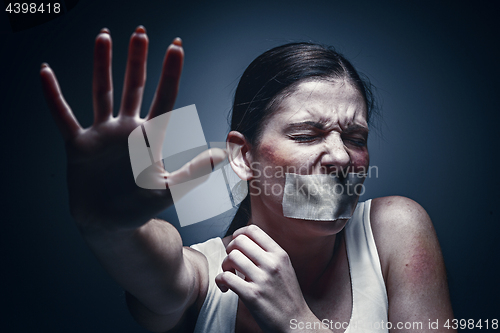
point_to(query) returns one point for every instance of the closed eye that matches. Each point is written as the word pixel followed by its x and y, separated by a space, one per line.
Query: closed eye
pixel 304 138
pixel 356 141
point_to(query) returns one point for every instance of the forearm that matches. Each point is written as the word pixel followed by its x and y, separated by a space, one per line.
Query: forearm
pixel 147 262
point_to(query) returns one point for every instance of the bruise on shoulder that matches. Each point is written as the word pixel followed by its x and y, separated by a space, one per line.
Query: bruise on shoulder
pixel 409 245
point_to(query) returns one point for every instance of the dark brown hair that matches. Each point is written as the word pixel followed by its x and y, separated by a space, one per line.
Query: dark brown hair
pixel 276 73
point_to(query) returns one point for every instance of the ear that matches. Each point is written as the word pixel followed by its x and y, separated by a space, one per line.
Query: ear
pixel 238 149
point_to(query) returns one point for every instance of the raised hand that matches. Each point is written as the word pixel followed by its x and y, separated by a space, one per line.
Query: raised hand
pixel 101 185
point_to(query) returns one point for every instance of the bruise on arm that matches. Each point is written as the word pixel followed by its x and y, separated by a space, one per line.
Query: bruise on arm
pixel 412 262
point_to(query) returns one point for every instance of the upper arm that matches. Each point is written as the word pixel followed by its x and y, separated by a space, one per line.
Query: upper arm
pixel 183 292
pixel 412 263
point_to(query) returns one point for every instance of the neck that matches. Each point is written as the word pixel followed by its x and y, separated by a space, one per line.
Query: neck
pixel 309 244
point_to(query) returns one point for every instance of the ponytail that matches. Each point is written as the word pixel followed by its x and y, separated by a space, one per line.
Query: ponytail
pixel 242 216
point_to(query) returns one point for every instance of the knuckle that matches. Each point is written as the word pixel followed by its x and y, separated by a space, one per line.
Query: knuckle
pixel 282 256
pixel 254 293
pixel 274 267
pixel 267 279
pixel 225 262
pixel 224 276
pixel 234 255
pixel 278 261
pixel 240 240
pixel 102 92
pixel 252 228
pixel 136 82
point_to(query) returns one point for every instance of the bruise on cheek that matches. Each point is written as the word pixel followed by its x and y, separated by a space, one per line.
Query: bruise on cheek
pixel 360 162
pixel 270 153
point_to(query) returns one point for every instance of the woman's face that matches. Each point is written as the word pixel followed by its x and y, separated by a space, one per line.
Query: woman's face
pixel 319 128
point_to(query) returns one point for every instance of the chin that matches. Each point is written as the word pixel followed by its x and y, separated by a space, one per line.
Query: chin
pixel 321 228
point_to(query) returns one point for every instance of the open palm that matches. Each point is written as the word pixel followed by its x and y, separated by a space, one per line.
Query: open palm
pixel 102 190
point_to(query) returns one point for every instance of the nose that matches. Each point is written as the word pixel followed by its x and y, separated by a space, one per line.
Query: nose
pixel 335 157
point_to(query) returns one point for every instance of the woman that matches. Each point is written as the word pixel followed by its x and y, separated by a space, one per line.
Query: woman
pixel 298 107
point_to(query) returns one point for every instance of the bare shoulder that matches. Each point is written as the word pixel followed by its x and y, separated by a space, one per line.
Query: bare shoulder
pixel 402 230
pixel 399 213
pixel 411 260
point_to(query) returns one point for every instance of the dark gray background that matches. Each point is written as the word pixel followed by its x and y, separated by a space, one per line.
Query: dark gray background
pixel 436 69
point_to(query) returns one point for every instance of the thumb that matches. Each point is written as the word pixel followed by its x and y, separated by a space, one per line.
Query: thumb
pixel 196 171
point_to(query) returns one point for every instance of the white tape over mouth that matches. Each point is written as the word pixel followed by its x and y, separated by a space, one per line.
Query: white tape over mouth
pixel 322 197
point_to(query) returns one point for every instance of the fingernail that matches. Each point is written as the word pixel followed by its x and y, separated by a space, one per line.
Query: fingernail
pixel 177 41
pixel 105 31
pixel 140 29
pixel 44 65
pixel 211 159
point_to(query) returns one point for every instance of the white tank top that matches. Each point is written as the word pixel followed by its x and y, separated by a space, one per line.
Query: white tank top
pixel 369 296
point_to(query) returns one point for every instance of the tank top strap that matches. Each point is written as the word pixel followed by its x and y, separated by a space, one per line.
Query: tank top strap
pixel 218 312
pixel 369 295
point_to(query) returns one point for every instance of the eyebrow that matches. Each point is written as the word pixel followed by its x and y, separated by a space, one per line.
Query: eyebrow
pixel 306 124
pixel 356 128
pixel 321 126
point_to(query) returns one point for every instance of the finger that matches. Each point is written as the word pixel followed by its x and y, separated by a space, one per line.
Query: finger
pixel 135 74
pixel 61 112
pixel 199 166
pixel 249 248
pixel 237 261
pixel 228 280
pixel 167 89
pixel 259 237
pixel 102 81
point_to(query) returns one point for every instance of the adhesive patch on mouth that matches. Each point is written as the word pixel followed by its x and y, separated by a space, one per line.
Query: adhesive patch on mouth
pixel 322 197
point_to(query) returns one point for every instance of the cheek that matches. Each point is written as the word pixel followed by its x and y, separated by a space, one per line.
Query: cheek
pixel 360 160
pixel 269 154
